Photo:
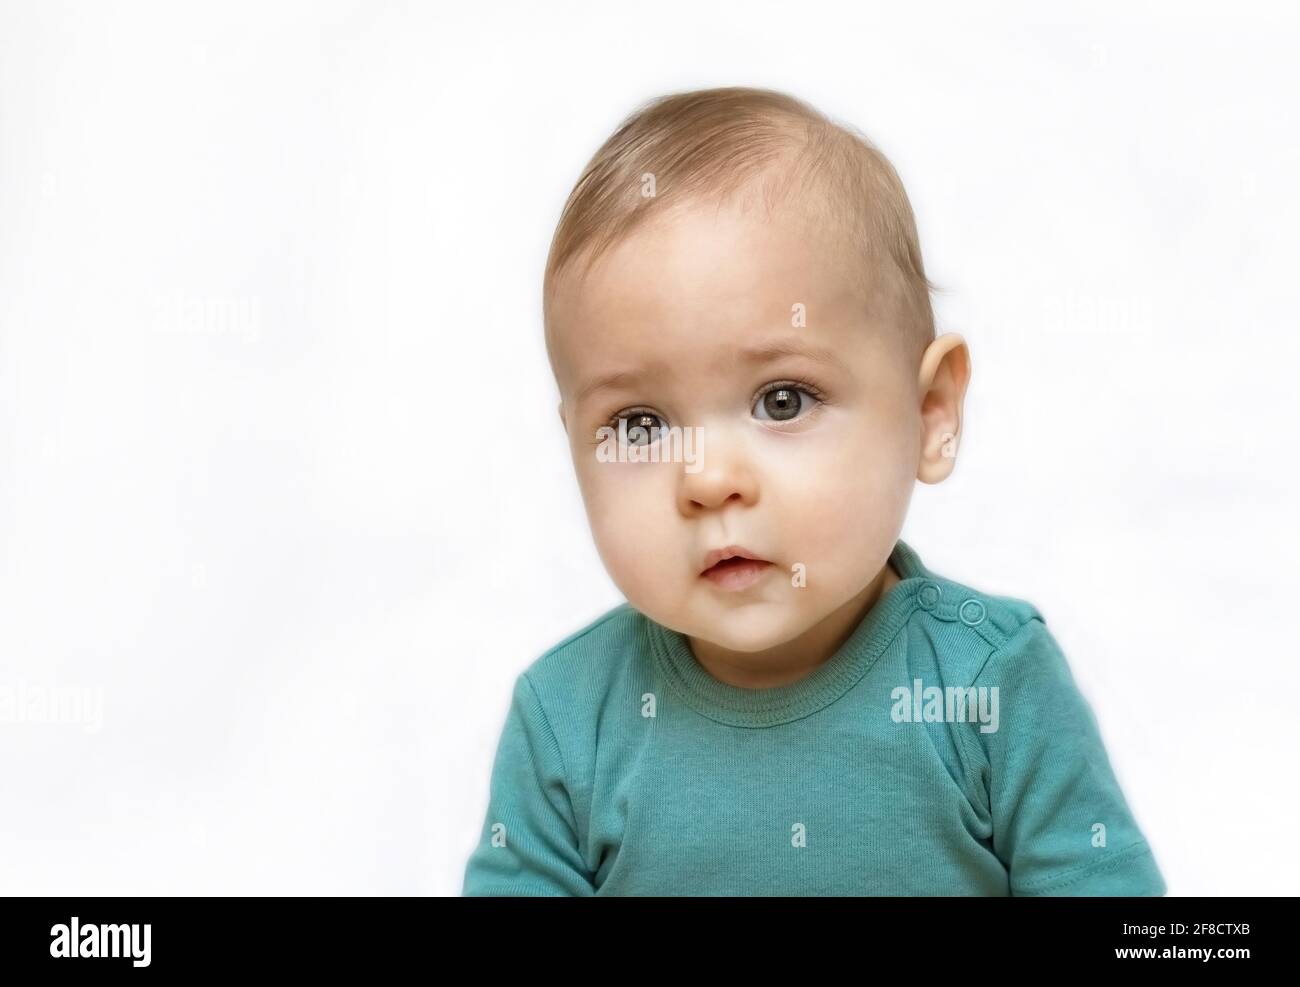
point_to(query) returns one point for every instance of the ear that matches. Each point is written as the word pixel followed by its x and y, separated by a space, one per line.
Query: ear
pixel 941 382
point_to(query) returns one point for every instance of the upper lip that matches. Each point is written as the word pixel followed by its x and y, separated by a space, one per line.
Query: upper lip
pixel 730 552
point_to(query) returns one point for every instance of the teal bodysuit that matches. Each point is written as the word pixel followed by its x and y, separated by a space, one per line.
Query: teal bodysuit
pixel 944 749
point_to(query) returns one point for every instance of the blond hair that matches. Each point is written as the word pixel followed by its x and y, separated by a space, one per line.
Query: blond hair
pixel 709 144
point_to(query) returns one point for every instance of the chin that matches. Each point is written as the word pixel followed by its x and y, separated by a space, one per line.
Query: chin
pixel 746 633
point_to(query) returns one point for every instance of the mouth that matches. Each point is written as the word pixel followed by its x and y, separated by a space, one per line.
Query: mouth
pixel 734 568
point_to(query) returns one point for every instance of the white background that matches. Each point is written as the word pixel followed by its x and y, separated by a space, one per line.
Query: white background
pixel 280 470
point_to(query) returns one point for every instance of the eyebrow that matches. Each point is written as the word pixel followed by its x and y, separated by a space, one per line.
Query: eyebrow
pixel 751 356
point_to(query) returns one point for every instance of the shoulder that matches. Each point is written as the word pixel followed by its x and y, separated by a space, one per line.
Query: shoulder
pixel 975 626
pixel 582 687
pixel 593 652
pixel 993 616
pixel 576 678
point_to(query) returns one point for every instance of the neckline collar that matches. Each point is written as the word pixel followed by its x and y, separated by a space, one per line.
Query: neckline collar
pixel 737 706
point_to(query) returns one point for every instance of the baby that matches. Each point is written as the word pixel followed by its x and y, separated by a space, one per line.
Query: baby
pixel 789 702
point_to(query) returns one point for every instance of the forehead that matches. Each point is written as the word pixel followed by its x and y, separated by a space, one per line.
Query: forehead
pixel 697 283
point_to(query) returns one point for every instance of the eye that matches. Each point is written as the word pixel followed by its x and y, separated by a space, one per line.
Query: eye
pixel 642 426
pixel 783 402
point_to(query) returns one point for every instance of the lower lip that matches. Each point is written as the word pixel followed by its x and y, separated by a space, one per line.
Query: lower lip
pixel 737 575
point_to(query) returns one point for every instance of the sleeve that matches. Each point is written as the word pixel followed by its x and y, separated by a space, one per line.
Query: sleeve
pixel 1061 824
pixel 529 843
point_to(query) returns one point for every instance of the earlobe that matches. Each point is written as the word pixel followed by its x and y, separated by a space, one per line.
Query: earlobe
pixel 942 381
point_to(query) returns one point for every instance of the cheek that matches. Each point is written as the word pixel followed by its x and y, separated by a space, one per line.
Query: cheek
pixel 842 502
pixel 631 508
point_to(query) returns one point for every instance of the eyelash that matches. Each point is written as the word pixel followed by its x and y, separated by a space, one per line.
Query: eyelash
pixel 788 384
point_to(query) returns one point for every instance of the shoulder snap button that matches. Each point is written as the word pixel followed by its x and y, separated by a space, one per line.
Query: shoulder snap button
pixel 972 612
pixel 928 596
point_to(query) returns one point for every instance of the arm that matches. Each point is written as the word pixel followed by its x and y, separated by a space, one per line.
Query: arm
pixel 529 843
pixel 1061 825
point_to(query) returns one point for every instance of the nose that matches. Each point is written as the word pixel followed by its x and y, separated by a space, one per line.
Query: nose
pixel 725 475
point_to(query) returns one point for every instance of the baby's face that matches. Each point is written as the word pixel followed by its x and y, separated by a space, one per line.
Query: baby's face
pixel 806 436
